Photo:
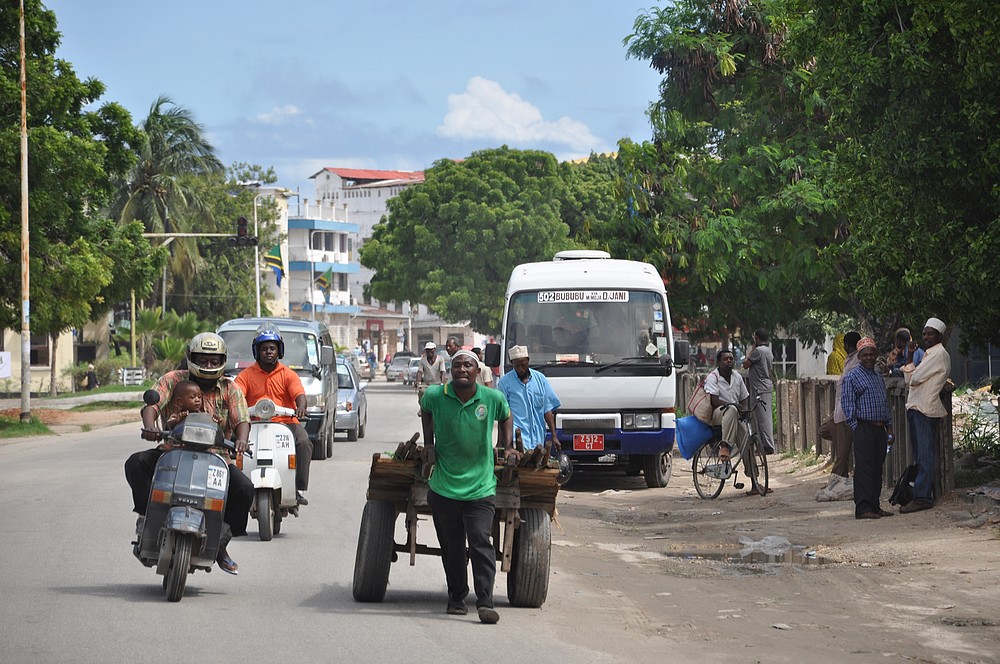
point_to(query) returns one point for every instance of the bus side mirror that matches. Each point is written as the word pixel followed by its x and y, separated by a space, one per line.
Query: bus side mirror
pixel 682 352
pixel 325 355
pixel 491 356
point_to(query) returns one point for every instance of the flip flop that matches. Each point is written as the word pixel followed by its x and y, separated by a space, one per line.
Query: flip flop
pixel 228 565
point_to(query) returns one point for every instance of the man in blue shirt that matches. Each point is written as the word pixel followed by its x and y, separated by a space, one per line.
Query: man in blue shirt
pixel 866 408
pixel 532 400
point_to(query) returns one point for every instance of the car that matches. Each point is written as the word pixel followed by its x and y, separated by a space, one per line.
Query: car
pixel 410 377
pixel 352 402
pixel 308 352
pixel 397 368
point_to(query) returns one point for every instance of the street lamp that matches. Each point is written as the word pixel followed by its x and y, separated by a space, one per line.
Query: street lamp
pixel 256 250
pixel 256 253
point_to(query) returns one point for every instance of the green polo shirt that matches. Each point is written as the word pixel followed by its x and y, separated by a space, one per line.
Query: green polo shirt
pixel 463 438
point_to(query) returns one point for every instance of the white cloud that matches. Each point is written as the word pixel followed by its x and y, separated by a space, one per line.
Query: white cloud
pixel 278 115
pixel 486 110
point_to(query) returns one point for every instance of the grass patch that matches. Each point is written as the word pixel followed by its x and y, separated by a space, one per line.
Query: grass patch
pixel 965 478
pixel 106 405
pixel 11 427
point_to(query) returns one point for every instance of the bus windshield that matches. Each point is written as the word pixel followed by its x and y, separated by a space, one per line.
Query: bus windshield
pixel 588 326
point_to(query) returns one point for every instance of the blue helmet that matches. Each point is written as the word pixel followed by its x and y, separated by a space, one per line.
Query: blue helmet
pixel 267 332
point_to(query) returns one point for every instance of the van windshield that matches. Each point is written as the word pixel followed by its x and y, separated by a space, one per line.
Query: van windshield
pixel 301 349
pixel 587 326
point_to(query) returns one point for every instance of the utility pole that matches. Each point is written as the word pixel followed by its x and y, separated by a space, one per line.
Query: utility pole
pixel 25 281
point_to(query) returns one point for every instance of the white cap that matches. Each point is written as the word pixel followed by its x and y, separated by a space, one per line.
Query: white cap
pixel 517 352
pixel 937 324
pixel 430 345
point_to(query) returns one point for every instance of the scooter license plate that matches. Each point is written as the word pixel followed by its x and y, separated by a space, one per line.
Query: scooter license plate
pixel 283 441
pixel 217 478
pixel 588 442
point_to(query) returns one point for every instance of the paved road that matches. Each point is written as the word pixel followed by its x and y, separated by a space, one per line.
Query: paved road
pixel 70 590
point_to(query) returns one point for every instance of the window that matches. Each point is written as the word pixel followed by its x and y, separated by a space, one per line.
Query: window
pixel 785 354
pixel 343 242
pixel 39 350
pixel 341 282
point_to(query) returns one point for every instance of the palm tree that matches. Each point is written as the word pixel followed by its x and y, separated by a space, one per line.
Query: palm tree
pixel 157 190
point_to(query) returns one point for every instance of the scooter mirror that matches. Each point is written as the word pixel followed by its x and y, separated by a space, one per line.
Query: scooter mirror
pixel 151 397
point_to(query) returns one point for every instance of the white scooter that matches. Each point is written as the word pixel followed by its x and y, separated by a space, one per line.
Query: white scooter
pixel 271 468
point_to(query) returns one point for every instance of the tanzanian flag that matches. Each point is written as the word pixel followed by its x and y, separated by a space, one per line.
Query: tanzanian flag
pixel 325 281
pixel 273 260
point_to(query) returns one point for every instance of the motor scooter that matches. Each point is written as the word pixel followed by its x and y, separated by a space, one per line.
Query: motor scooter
pixel 184 517
pixel 271 468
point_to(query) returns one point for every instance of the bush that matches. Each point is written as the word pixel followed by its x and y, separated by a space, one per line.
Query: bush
pixel 107 371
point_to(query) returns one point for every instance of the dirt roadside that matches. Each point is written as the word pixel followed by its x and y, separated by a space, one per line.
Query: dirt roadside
pixel 921 587
pixel 62 421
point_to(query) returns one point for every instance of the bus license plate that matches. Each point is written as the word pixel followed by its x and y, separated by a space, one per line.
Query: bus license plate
pixel 588 441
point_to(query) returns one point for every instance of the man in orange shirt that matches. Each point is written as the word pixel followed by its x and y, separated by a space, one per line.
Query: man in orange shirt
pixel 270 379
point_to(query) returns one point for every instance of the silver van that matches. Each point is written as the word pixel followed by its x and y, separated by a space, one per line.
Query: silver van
pixel 309 352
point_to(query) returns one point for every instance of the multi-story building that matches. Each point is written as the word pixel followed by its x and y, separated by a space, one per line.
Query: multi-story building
pixel 385 327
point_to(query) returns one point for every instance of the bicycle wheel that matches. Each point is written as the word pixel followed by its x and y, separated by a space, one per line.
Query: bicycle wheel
pixel 708 472
pixel 757 465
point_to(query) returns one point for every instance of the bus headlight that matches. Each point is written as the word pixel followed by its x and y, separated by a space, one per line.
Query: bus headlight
pixel 640 421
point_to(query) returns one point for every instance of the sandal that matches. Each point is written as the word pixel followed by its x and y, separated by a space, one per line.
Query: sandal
pixel 724 452
pixel 227 564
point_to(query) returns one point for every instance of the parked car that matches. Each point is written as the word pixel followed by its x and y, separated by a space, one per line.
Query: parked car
pixel 410 377
pixel 397 368
pixel 352 402
pixel 309 352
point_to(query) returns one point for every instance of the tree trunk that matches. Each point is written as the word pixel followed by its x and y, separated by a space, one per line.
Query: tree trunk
pixel 52 365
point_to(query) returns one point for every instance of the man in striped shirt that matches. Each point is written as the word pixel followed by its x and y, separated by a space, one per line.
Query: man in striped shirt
pixel 866 409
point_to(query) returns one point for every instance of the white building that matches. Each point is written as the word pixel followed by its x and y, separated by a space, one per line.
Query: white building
pixel 386 327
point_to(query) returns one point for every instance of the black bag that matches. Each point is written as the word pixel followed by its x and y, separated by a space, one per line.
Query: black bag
pixel 903 493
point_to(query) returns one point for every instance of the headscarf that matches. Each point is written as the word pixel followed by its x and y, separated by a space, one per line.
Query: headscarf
pixel 835 363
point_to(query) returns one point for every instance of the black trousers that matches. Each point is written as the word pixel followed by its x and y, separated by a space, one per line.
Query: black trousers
pixel 303 456
pixel 869 459
pixel 139 469
pixel 458 521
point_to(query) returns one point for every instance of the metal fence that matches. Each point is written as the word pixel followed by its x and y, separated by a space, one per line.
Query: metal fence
pixel 801 406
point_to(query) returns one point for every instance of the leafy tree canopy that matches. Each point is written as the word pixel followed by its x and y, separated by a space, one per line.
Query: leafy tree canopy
pixel 80 265
pixel 452 242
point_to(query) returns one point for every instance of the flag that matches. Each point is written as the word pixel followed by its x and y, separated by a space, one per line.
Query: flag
pixel 273 260
pixel 325 281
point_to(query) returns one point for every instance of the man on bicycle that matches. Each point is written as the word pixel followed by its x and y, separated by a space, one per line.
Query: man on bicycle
pixel 728 392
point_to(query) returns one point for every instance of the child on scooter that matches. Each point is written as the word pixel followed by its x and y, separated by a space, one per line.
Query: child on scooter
pixel 186 398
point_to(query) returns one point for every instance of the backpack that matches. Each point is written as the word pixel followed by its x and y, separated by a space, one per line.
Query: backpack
pixel 903 493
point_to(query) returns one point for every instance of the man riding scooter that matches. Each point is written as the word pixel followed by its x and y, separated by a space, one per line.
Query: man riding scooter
pixel 206 358
pixel 270 379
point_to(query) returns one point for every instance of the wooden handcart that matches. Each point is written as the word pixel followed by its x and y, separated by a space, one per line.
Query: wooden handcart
pixel 522 531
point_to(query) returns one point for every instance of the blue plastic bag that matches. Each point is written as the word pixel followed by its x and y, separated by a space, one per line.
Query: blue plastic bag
pixel 692 433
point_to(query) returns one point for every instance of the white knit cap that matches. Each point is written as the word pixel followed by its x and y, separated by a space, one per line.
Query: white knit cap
pixel 517 352
pixel 936 323
pixel 430 345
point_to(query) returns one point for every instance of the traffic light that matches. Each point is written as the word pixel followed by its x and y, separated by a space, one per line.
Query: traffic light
pixel 242 237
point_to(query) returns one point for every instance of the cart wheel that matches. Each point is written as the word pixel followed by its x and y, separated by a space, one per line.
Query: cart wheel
pixel 657 469
pixel 375 544
pixel 528 580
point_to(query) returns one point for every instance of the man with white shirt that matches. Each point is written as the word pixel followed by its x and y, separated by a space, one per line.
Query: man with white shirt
pixel 924 411
pixel 728 393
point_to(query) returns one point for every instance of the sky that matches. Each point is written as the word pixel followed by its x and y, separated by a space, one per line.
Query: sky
pixel 301 85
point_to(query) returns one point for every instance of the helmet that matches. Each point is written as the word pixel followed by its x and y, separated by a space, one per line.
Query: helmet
pixel 565 469
pixel 267 332
pixel 211 344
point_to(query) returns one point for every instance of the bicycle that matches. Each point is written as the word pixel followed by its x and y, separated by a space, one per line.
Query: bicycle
pixel 712 472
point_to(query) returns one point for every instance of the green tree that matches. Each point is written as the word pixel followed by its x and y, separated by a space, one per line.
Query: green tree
pixel 914 100
pixel 80 264
pixel 452 242
pixel 727 199
pixel 170 154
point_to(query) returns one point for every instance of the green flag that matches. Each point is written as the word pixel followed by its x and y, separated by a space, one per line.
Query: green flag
pixel 273 260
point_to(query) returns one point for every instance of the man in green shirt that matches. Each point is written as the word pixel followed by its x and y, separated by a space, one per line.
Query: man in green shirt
pixel 458 423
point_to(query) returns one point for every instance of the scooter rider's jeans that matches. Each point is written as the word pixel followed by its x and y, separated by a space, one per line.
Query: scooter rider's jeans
pixel 139 469
pixel 303 455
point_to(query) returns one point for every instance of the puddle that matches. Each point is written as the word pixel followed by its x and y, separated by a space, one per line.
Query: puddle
pixel 790 557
